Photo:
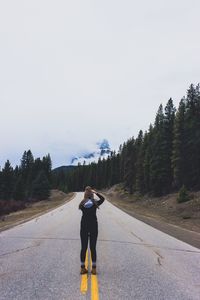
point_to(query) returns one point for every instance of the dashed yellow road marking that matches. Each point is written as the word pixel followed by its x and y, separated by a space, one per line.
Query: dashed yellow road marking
pixel 84 277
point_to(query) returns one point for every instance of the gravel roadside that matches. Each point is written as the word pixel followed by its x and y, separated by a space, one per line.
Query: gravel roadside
pixel 188 236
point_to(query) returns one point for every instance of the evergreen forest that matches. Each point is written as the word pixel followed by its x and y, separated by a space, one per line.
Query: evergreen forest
pixel 156 162
pixel 161 160
pixel 30 181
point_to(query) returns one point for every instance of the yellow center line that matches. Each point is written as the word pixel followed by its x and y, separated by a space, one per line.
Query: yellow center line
pixel 94 280
pixel 94 288
pixel 94 284
pixel 84 277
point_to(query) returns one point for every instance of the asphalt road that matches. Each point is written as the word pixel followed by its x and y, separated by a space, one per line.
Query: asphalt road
pixel 39 259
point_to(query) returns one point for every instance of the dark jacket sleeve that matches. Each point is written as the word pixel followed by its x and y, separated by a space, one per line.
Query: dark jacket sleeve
pixel 99 202
pixel 81 205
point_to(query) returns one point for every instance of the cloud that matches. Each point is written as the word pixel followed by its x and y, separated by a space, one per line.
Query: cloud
pixel 74 72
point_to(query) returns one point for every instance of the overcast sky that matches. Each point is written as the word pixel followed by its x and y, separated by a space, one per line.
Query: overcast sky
pixel 75 72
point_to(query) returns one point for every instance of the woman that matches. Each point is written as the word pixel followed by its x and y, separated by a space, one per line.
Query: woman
pixel 89 227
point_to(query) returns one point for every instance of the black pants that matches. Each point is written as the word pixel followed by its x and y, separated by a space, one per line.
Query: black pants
pixel 89 232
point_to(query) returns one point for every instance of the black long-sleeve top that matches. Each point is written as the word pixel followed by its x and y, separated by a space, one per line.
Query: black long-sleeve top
pixel 89 214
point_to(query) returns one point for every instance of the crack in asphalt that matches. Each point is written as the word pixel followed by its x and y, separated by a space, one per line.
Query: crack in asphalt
pixel 137 237
pixel 19 250
pixel 104 240
pixel 41 238
pixel 153 246
pixel 157 253
pixel 173 249
pixel 159 262
pixel 159 257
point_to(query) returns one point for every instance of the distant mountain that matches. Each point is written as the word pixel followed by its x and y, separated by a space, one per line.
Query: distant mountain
pixel 102 150
pixel 64 168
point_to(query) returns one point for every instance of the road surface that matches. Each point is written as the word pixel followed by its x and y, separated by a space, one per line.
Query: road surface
pixel 39 259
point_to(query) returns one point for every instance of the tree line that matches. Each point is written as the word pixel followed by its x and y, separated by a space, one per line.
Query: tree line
pixel 158 161
pixel 29 181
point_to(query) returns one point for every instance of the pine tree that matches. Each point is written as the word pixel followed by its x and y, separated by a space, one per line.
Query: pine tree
pixel 104 174
pixel 7 179
pixel 115 170
pixel 27 163
pixel 47 166
pixel 148 143
pixel 41 187
pixel 157 157
pixel 37 167
pixel 139 166
pixel 169 118
pixel 129 165
pixel 19 190
pixel 179 147
pixel 192 135
pixel 122 154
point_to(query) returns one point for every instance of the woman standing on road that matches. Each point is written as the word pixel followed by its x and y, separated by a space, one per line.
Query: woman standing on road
pixel 89 226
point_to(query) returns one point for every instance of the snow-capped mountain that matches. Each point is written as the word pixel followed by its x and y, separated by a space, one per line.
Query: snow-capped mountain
pixel 102 150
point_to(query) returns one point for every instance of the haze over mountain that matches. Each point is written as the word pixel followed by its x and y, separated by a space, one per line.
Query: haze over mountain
pixel 101 150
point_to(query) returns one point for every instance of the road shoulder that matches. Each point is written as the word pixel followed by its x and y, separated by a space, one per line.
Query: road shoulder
pixel 35 210
pixel 187 236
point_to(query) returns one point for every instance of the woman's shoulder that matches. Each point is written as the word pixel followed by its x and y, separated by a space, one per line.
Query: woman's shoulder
pixel 81 204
